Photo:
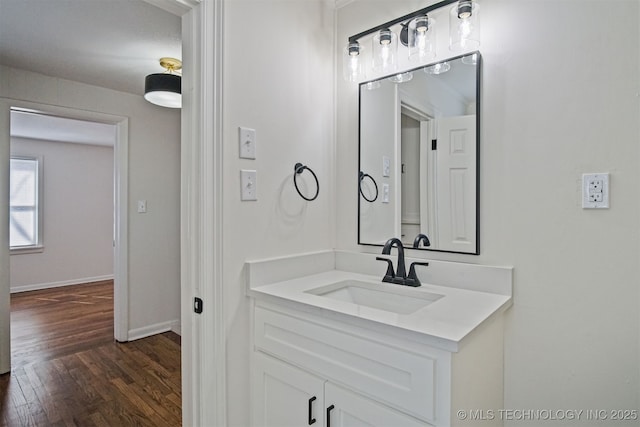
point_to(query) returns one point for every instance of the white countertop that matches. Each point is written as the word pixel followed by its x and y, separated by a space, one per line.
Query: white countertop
pixel 447 321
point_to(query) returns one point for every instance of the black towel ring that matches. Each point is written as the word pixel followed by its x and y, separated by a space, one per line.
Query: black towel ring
pixel 299 168
pixel 363 176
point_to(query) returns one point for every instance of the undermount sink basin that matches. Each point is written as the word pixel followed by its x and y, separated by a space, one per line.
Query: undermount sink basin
pixel 393 298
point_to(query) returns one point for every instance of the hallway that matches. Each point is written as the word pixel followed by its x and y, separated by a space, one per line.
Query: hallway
pixel 68 370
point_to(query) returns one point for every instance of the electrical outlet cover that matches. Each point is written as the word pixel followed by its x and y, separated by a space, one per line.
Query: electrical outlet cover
pixel 247 141
pixel 595 190
pixel 248 181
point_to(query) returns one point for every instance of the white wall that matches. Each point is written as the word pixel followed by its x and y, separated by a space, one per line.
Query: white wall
pixel 278 79
pixel 559 98
pixel 154 175
pixel 78 216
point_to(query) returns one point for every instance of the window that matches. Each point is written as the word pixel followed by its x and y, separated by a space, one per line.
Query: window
pixel 25 207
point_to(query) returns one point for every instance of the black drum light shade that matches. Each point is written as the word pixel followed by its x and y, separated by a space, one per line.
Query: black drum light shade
pixel 164 90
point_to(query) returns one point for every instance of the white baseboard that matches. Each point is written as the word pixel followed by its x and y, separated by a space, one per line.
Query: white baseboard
pixel 37 286
pixel 177 327
pixel 158 328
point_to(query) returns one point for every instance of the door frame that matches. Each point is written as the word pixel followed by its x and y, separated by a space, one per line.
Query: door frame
pixel 201 266
pixel 121 197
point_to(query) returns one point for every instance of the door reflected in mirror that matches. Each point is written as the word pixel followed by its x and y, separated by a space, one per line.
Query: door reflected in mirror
pixel 419 151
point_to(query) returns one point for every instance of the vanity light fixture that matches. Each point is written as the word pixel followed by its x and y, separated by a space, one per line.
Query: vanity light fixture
pixel 464 26
pixel 165 89
pixel 418 34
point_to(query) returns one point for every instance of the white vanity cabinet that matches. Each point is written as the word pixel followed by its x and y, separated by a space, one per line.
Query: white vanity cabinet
pixel 286 396
pixel 306 361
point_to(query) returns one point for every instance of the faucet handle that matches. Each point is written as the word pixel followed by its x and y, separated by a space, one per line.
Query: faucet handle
pixel 390 274
pixel 412 279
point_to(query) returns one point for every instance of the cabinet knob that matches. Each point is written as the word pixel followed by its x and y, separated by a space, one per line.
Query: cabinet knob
pixel 311 419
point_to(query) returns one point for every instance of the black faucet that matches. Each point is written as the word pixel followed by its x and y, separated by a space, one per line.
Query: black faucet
pixel 421 238
pixel 401 277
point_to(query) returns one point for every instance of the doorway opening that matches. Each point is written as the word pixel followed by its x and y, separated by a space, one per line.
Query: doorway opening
pixel 60 137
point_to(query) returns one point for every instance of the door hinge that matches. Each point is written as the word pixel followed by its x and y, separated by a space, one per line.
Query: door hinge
pixel 434 144
pixel 197 305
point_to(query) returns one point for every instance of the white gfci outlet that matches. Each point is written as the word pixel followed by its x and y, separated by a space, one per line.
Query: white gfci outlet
pixel 595 190
pixel 247 141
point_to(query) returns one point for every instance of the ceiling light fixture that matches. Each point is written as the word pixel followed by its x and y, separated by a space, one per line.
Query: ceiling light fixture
pixel 165 89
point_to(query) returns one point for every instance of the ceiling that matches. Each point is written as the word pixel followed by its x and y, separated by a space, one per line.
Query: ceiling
pixel 107 43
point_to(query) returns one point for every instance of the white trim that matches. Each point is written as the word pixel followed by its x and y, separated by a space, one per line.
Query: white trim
pixel 22 250
pixel 188 219
pixel 121 232
pixel 39 208
pixel 207 229
pixel 203 338
pixel 158 328
pixel 80 281
pixel 5 297
pixel 342 3
pixel 175 7
pixel 203 335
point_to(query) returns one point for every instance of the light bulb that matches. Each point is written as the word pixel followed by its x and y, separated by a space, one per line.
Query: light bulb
pixel 385 45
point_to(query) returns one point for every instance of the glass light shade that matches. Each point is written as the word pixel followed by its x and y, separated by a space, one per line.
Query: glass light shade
pixel 385 49
pixel 422 39
pixel 164 90
pixel 352 69
pixel 464 26
pixel 470 59
pixel 402 77
pixel 439 68
pixel 373 85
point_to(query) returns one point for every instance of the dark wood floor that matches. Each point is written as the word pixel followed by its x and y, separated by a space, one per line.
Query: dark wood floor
pixel 68 371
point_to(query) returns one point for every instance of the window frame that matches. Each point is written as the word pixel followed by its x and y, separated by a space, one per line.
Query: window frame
pixel 39 245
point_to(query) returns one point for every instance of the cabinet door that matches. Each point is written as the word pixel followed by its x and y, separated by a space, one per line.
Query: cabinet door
pixel 353 410
pixel 284 395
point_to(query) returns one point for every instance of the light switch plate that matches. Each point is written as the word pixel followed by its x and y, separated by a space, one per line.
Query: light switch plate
pixel 247 141
pixel 249 189
pixel 595 190
pixel 385 193
pixel 386 166
pixel 142 206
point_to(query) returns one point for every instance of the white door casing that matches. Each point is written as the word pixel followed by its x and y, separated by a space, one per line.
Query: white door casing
pixel 121 161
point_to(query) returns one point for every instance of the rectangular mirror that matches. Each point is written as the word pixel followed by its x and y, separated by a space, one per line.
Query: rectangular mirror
pixel 419 156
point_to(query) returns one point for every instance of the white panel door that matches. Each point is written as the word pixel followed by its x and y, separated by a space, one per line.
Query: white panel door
pixel 456 183
pixel 285 396
pixel 348 409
